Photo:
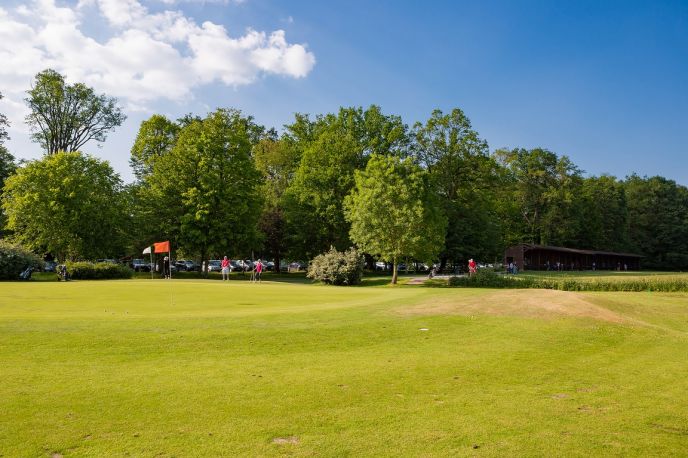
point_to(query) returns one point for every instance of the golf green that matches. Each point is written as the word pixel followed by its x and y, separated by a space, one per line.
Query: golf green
pixel 211 368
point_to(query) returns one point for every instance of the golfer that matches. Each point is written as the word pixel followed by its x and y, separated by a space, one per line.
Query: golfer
pixel 225 268
pixel 259 270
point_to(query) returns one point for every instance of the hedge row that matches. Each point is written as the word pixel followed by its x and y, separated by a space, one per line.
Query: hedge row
pixel 97 271
pixel 489 279
pixel 14 259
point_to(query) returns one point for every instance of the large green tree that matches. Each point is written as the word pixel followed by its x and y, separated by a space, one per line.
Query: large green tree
pixel 64 117
pixel 603 214
pixel 156 137
pixel 69 204
pixel 277 160
pixel 394 213
pixel 204 194
pixel 332 148
pixel 542 189
pixel 464 176
pixel 658 221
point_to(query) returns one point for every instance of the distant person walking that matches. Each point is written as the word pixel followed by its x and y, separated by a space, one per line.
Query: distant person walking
pixel 258 270
pixel 225 268
pixel 166 267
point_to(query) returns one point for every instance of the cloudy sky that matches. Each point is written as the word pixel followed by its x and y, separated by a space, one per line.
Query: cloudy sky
pixel 603 82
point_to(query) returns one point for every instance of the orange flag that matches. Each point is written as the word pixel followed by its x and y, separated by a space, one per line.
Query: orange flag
pixel 161 247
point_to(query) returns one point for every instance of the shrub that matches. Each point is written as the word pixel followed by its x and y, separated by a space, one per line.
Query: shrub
pixel 488 279
pixel 14 259
pixel 338 268
pixel 97 271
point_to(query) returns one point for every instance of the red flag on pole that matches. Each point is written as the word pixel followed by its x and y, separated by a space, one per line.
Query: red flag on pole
pixel 161 247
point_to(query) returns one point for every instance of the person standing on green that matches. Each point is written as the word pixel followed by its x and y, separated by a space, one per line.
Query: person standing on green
pixel 225 268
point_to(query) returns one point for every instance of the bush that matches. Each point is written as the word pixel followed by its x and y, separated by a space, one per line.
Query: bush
pixel 97 271
pixel 14 259
pixel 337 268
pixel 488 279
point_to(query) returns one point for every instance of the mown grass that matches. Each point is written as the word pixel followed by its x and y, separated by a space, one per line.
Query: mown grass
pixel 206 368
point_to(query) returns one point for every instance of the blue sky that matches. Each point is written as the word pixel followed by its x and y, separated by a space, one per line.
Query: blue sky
pixel 605 83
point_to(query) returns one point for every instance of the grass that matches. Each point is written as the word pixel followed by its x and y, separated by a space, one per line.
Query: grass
pixel 208 368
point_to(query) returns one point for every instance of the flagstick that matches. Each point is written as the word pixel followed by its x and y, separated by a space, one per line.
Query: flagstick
pixel 151 263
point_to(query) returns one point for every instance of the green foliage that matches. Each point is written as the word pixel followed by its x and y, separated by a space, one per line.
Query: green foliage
pixel 204 194
pixel 393 211
pixel 156 137
pixel 14 259
pixel 338 268
pixel 544 189
pixel 65 117
pixel 69 204
pixel 98 271
pixel 464 177
pixel 332 148
pixel 658 221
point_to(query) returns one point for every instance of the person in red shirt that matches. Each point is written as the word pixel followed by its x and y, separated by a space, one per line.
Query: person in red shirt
pixel 472 267
pixel 259 270
pixel 225 268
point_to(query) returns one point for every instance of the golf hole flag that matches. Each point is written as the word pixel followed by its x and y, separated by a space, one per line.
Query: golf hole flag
pixel 147 250
pixel 161 247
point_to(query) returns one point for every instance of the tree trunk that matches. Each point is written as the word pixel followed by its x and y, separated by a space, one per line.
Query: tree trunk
pixel 278 259
pixel 394 271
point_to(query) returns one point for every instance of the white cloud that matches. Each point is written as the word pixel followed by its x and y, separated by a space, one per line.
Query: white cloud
pixel 144 56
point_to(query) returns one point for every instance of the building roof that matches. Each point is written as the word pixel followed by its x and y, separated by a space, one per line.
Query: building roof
pixel 529 246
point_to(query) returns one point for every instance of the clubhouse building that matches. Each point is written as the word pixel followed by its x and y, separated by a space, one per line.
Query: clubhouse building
pixel 540 257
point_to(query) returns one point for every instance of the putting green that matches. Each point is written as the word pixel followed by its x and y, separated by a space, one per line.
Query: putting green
pixel 210 368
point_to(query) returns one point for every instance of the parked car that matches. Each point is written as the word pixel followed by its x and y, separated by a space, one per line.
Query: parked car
pixel 234 266
pixel 49 266
pixel 139 265
pixel 184 265
pixel 296 266
pixel 270 265
pixel 214 265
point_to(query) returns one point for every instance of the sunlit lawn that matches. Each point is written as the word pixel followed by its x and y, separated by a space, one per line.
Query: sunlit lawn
pixel 211 368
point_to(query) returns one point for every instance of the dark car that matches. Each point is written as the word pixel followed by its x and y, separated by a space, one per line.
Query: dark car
pixel 185 265
pixel 214 265
pixel 139 265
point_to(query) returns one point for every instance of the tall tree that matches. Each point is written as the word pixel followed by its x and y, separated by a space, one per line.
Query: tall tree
pixel 394 212
pixel 603 214
pixel 157 136
pixel 277 160
pixel 4 124
pixel 543 188
pixel 204 194
pixel 658 221
pixel 68 204
pixel 332 148
pixel 464 177
pixel 64 117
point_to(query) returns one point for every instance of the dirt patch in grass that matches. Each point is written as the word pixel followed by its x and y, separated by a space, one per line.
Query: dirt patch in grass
pixel 530 303
pixel 286 440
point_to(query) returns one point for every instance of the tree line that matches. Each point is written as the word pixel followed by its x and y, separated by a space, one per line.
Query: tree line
pixel 223 184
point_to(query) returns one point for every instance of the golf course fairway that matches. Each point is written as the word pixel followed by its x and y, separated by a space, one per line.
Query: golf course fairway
pixel 211 368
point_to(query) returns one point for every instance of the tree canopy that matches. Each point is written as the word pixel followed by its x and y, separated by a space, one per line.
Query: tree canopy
pixel 68 204
pixel 394 213
pixel 64 117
